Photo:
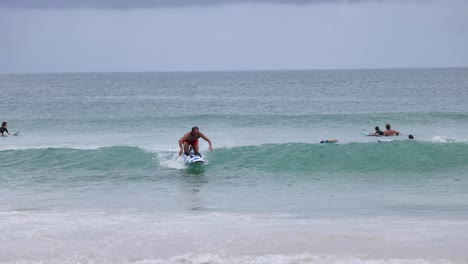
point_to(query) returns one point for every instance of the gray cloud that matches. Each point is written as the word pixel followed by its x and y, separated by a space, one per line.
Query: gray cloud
pixel 127 4
pixel 371 34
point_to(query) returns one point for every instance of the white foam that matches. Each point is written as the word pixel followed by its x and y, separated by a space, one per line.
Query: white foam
pixel 210 258
pixel 287 259
pixel 173 161
pixel 31 236
pixel 443 139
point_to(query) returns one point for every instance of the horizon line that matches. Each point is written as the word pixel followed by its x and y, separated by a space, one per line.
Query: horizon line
pixel 220 71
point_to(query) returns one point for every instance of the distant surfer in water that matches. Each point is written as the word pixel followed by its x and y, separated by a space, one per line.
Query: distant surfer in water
pixel 4 128
pixel 390 131
pixel 328 141
pixel 191 139
pixel 377 132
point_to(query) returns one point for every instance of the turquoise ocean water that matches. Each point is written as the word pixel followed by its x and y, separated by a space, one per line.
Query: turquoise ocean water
pixel 94 176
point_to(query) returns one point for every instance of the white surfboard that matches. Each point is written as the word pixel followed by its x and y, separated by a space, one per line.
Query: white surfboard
pixel 369 134
pixel 14 134
pixel 386 140
pixel 192 158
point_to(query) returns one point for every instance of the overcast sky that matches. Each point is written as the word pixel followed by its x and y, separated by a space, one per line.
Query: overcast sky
pixel 198 35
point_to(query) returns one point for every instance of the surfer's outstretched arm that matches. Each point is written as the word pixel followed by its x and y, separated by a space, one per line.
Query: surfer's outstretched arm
pixel 207 139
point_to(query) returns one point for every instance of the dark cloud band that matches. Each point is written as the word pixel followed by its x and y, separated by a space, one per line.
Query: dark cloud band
pixel 126 4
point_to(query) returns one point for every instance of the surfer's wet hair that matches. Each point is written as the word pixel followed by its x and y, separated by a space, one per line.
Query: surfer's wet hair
pixel 4 123
pixel 377 128
pixel 195 127
pixel 388 126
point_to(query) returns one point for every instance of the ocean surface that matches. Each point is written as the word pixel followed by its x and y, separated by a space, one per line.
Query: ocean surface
pixel 94 176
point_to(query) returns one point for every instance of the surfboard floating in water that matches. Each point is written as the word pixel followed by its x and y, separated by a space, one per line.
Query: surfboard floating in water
pixel 192 158
pixel 369 134
pixel 386 140
pixel 14 134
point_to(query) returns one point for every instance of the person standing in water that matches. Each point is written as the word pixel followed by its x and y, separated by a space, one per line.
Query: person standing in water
pixel 4 128
pixel 191 139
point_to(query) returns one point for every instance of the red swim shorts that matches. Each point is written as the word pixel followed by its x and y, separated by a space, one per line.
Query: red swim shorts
pixel 195 142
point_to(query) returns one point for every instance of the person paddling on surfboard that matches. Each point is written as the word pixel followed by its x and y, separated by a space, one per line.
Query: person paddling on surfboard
pixel 4 128
pixel 191 139
pixel 391 132
pixel 377 132
pixel 328 141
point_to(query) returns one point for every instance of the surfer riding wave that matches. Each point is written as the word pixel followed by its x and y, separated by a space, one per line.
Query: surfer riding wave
pixel 191 139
